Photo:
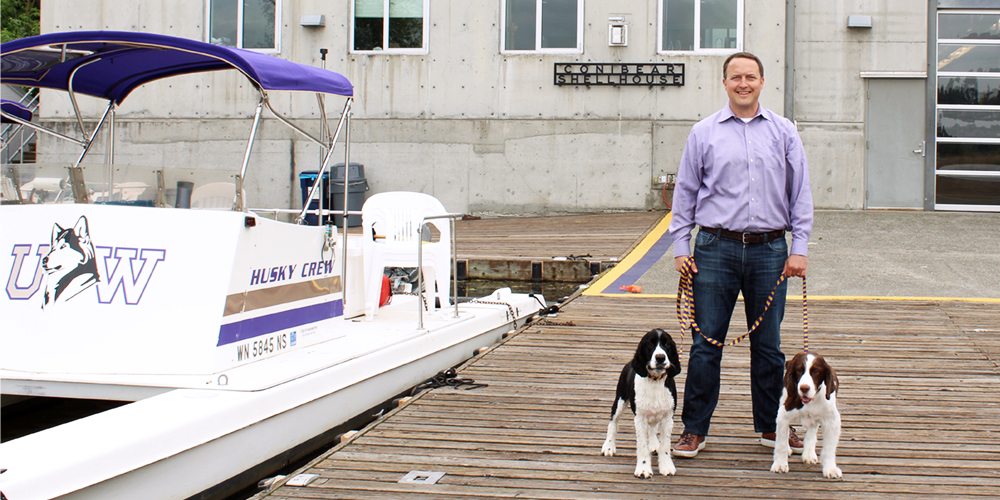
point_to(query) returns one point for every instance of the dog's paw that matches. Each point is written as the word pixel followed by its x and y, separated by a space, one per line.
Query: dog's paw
pixel 832 472
pixel 667 468
pixel 779 467
pixel 809 457
pixel 643 470
pixel 608 449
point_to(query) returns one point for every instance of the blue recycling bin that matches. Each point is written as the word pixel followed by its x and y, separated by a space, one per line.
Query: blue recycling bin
pixel 306 180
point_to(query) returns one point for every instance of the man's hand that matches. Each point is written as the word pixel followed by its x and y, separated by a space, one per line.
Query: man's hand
pixel 796 266
pixel 679 263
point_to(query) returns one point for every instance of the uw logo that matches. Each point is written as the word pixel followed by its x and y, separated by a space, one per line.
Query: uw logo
pixel 128 270
pixel 70 264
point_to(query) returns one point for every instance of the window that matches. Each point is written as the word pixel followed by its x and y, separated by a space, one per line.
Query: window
pixel 248 24
pixel 389 26
pixel 547 26
pixel 705 26
pixel 967 159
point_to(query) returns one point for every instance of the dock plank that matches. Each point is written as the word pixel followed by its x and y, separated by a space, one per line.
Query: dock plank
pixel 918 389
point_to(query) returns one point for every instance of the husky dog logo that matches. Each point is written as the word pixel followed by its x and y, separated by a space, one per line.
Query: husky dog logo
pixel 70 266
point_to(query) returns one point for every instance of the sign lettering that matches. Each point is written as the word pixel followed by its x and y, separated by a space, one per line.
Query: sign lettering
pixel 618 74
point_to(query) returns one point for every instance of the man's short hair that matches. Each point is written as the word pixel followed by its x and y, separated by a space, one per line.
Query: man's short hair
pixel 744 55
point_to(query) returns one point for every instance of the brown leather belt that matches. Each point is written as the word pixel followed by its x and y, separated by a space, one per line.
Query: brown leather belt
pixel 746 238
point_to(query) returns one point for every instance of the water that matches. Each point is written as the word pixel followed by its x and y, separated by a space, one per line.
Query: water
pixel 37 414
pixel 553 291
pixel 403 280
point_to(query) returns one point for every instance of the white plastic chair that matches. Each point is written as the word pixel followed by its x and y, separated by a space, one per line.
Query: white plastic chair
pixel 214 196
pixel 391 229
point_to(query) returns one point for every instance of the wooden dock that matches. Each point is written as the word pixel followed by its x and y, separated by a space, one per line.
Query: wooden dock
pixel 918 395
pixel 605 236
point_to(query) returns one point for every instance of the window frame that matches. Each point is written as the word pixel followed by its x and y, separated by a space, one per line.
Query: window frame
pixel 239 27
pixel 698 50
pixel 385 33
pixel 538 31
pixel 938 107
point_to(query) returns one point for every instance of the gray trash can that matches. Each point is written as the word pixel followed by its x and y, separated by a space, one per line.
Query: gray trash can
pixel 356 187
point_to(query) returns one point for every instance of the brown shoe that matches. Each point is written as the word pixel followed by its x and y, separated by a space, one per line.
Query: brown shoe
pixel 689 445
pixel 767 439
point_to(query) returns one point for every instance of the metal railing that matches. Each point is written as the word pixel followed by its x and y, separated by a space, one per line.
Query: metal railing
pixel 420 265
pixel 15 137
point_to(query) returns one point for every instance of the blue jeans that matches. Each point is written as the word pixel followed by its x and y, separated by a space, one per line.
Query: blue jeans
pixel 726 268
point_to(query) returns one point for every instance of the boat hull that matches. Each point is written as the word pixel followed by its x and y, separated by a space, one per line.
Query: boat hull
pixel 185 441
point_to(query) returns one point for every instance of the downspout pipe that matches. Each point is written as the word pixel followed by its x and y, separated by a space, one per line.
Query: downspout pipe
pixel 790 59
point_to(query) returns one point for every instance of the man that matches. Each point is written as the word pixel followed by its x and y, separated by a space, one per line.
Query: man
pixel 744 181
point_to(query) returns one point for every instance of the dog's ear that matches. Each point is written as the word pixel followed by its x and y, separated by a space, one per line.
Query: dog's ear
pixel 832 382
pixel 788 373
pixel 641 357
pixel 82 230
pixel 56 229
pixel 792 400
pixel 638 366
pixel 673 356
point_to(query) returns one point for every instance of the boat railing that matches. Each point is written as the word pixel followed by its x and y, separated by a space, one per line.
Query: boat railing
pixel 454 264
pixel 52 183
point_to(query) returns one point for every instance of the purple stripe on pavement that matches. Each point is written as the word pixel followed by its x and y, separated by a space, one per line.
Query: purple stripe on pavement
pixel 657 251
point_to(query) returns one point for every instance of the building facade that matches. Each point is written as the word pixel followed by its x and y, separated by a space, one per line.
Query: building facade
pixel 549 106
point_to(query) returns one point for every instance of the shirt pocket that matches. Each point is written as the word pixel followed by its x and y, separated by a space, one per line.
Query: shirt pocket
pixel 773 156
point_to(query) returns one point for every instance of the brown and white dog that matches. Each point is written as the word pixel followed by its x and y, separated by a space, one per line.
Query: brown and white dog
pixel 809 398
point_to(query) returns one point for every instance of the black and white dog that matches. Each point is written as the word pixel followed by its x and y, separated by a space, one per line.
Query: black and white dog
pixel 647 385
pixel 809 398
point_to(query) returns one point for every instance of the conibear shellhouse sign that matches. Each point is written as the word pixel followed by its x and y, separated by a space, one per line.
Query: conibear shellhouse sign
pixel 647 74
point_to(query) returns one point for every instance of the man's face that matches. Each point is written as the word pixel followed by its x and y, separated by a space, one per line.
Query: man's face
pixel 743 82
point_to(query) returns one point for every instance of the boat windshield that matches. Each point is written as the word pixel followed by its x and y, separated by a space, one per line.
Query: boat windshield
pixel 41 183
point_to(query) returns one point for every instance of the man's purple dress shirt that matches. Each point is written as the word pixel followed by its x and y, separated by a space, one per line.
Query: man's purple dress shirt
pixel 747 177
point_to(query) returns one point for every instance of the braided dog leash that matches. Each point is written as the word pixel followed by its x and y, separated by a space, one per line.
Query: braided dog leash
pixel 805 318
pixel 685 309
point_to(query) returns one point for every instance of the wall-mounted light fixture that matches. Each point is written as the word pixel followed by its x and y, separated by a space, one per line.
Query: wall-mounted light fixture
pixel 859 22
pixel 617 31
pixel 312 21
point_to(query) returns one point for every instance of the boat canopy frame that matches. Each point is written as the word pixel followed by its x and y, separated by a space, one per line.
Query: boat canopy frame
pixel 111 64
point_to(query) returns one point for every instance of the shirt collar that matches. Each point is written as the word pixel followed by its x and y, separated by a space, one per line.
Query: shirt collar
pixel 727 113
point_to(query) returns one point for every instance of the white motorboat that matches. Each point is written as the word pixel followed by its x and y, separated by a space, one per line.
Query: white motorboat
pixel 233 335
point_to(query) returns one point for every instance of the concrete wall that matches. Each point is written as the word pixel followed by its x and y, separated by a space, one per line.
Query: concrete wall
pixel 488 132
pixel 830 91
